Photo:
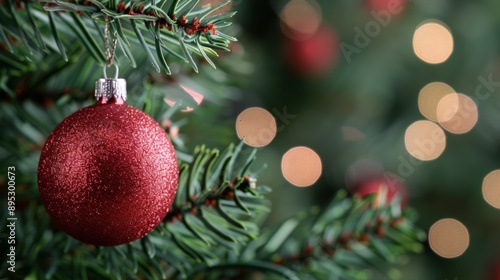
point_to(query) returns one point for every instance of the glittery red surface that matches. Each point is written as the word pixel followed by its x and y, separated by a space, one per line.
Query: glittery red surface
pixel 107 174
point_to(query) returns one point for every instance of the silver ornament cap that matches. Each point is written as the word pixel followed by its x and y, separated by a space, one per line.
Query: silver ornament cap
pixel 110 87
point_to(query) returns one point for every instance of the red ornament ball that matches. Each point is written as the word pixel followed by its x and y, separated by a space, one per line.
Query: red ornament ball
pixel 107 174
pixel 312 55
pixel 391 184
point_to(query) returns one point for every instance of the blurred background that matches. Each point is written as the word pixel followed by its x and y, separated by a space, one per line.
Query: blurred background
pixel 405 88
pixel 350 74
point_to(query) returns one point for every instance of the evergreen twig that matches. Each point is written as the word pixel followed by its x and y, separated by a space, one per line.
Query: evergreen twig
pixel 174 25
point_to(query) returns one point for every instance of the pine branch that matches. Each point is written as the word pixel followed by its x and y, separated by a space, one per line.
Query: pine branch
pixel 177 29
pixel 349 234
pixel 211 216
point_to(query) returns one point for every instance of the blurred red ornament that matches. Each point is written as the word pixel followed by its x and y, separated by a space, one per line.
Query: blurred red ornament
pixel 389 184
pixel 392 7
pixel 494 270
pixel 314 54
pixel 107 174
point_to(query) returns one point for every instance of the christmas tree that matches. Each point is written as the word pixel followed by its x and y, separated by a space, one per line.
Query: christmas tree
pixel 307 137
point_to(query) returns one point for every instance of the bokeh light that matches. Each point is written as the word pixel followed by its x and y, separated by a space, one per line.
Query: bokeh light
pixel 491 188
pixel 433 42
pixel 300 19
pixel 448 238
pixel 447 107
pixel 429 98
pixel 457 113
pixel 425 140
pixel 256 126
pixel 213 3
pixel 197 97
pixel 352 134
pixel 301 166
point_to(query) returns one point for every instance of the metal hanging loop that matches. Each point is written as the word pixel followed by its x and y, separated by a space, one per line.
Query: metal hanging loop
pixel 106 75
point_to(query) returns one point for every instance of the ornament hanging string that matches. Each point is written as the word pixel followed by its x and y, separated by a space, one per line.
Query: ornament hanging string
pixel 110 53
pixel 112 87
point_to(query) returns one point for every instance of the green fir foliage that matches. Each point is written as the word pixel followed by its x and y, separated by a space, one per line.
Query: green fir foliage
pixel 214 229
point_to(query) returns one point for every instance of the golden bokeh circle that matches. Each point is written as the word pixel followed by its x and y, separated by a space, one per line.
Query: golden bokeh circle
pixel 457 113
pixel 300 19
pixel 491 188
pixel 256 126
pixel 301 166
pixel 429 97
pixel 425 140
pixel 448 238
pixel 433 42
